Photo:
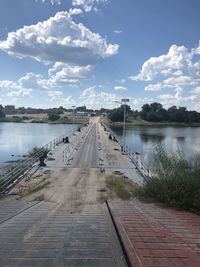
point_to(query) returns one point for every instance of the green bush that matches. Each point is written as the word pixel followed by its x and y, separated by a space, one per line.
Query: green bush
pixel 53 116
pixel 38 151
pixel 16 119
pixel 177 182
pixel 116 114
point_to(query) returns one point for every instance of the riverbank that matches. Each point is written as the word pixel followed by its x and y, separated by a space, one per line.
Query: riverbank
pixel 148 124
pixel 43 118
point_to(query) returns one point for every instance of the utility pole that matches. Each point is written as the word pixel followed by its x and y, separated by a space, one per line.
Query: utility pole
pixel 123 102
pixel 73 113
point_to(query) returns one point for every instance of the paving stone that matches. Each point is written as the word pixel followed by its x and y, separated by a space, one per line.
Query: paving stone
pixel 157 237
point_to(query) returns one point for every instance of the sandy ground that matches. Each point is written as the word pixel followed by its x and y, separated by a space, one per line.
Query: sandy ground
pixel 78 189
pixel 73 189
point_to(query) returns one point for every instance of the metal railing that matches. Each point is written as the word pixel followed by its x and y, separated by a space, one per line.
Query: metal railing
pixel 134 157
pixel 18 170
pixel 139 164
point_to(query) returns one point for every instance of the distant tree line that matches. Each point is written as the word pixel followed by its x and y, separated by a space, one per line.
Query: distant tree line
pixel 12 110
pixel 155 112
pixel 53 113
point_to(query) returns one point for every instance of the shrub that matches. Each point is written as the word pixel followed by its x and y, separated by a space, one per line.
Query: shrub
pixel 177 182
pixel 53 116
pixel 38 151
pixel 16 119
pixel 25 118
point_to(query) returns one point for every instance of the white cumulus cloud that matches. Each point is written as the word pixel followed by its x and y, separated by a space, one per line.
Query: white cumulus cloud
pixel 177 70
pixel 54 95
pixel 117 31
pixel 71 71
pixel 119 88
pixel 88 5
pixel 178 58
pixel 121 81
pixel 75 11
pixel 58 39
pixel 196 90
pixel 96 100
pixel 53 2
pixel 153 87
pixel 20 93
pixel 32 81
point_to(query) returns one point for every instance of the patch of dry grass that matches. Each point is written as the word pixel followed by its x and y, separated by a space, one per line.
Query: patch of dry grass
pixel 32 186
pixel 119 187
pixel 36 188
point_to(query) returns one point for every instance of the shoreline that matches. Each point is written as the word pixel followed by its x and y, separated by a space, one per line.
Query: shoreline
pixel 150 124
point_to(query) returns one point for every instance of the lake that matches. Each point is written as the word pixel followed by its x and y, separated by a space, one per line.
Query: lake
pixel 143 140
pixel 19 138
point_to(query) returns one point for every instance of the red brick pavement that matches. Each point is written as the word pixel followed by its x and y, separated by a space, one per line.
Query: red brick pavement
pixel 157 237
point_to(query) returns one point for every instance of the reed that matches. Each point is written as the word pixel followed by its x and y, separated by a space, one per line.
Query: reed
pixel 177 180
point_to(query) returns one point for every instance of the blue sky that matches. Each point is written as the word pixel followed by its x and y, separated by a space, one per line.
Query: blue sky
pixel 94 52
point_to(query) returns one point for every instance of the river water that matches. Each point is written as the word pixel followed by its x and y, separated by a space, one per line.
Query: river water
pixel 143 140
pixel 19 138
pixel 16 139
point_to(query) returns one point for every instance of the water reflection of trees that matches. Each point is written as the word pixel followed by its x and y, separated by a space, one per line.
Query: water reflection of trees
pixel 180 139
pixel 154 138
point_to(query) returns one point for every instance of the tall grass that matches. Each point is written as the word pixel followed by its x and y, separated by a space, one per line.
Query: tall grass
pixel 177 181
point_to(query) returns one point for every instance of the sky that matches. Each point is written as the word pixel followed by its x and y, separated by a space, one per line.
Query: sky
pixel 96 52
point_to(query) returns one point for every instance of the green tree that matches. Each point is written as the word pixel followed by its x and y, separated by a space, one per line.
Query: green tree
pixel 155 107
pixel 146 108
pixel 116 114
pixel 81 109
pixel 53 116
pixel 2 113
pixel 9 109
pixel 154 117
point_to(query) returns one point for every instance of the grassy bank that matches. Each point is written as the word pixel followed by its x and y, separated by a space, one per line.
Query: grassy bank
pixel 120 187
pixel 177 182
pixel 148 124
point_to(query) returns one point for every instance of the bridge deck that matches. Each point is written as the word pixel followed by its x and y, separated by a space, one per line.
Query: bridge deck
pixel 87 154
pixel 43 235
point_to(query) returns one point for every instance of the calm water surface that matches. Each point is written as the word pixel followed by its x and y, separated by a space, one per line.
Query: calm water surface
pixel 144 139
pixel 19 138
